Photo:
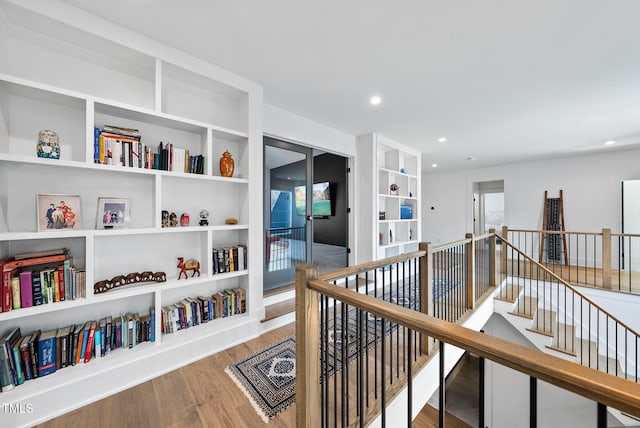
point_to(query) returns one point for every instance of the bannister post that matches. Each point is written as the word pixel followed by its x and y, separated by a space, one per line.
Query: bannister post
pixel 606 258
pixel 492 259
pixel 503 253
pixel 308 348
pixel 470 250
pixel 426 291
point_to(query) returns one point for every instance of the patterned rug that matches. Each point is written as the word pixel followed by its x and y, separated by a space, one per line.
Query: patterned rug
pixel 268 378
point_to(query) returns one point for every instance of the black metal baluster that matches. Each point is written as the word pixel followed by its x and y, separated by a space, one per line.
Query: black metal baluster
pixel 441 392
pixel 533 402
pixel 409 382
pixel 602 416
pixel 481 391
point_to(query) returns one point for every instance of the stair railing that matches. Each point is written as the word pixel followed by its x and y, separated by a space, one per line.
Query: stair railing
pixel 321 392
pixel 578 326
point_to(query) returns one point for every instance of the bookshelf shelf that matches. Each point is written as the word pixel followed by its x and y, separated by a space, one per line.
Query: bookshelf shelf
pixel 101 75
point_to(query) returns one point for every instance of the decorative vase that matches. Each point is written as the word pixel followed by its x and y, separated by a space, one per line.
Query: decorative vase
pixel 48 145
pixel 184 220
pixel 226 164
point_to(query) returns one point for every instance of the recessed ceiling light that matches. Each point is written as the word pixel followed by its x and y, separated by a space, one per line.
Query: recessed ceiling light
pixel 375 100
pixel 610 142
pixel 471 158
pixel 442 140
pixel 434 165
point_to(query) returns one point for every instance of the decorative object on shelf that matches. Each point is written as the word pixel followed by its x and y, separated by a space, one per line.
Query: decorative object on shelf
pixel 406 212
pixel 403 171
pixel 227 164
pixel 173 219
pixel 165 218
pixel 204 217
pixel 113 213
pixel 231 220
pixel 410 194
pixel 191 264
pixel 390 236
pixel 184 220
pixel 48 145
pixel 58 212
pixel 132 278
pixel 393 188
pixel 380 238
pixel 410 234
pixel 382 215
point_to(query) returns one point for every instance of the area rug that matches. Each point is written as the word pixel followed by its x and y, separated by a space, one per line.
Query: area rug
pixel 268 377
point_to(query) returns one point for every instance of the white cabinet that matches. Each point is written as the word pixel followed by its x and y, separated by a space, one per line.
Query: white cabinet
pixel 71 76
pixel 388 198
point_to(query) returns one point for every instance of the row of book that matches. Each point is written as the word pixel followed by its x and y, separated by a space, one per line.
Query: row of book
pixel 39 278
pixel 190 312
pixel 38 354
pixel 123 146
pixel 229 259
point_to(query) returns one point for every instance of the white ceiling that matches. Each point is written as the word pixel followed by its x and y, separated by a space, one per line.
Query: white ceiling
pixel 502 80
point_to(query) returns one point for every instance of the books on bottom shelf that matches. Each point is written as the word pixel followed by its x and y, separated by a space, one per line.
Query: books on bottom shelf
pixel 23 358
pixel 40 279
pixel 190 312
pixel 229 259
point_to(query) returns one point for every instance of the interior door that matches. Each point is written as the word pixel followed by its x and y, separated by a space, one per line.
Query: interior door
pixel 288 223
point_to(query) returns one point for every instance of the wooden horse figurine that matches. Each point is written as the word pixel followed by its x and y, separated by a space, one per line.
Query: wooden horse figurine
pixel 190 264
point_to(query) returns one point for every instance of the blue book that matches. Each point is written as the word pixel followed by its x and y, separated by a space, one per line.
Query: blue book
pixel 97 340
pixel 152 324
pixel 47 353
pixel 96 145
pixel 85 338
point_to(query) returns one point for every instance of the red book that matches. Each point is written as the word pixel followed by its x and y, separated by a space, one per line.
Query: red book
pixel 92 332
pixel 6 290
pixel 13 264
pixel 61 283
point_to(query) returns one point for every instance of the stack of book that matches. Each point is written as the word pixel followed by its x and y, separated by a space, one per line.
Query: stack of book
pixel 38 354
pixel 115 145
pixel 190 312
pixel 229 259
pixel 39 278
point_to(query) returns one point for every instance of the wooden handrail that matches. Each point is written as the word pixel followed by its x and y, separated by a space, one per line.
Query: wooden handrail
pixel 626 235
pixel 365 267
pixel 484 236
pixel 570 287
pixel 559 232
pixel 599 386
pixel 453 244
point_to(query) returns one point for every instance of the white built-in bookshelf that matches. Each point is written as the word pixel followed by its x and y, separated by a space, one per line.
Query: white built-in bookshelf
pixel 390 219
pixel 61 71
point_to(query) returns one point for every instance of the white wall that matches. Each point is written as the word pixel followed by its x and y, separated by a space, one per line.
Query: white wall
pixel 590 183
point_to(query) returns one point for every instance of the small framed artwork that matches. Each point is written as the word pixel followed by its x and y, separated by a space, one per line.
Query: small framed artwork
pixel 58 212
pixel 113 213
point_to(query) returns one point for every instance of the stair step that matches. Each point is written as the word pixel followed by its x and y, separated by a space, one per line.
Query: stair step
pixel 279 309
pixel 544 322
pixel 509 293
pixel 525 307
pixel 565 339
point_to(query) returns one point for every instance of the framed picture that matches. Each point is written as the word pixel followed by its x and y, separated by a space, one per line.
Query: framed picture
pixel 58 212
pixel 113 213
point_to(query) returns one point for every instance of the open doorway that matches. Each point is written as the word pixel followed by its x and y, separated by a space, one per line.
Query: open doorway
pixel 305 212
pixel 488 206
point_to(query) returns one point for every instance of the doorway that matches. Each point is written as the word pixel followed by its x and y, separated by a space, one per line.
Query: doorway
pixel 488 206
pixel 305 212
pixel 629 248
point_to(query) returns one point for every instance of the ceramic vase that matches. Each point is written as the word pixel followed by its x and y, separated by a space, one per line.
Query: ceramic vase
pixel 226 165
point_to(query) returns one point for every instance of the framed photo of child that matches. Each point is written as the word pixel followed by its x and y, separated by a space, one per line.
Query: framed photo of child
pixel 113 213
pixel 58 212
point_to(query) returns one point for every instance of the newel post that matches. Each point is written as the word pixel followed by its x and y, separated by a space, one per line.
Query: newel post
pixel 503 253
pixel 307 348
pixel 492 258
pixel 470 250
pixel 426 290
pixel 606 258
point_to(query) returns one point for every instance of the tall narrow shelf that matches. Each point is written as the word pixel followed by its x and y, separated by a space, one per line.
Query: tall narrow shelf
pixel 389 195
pixel 99 74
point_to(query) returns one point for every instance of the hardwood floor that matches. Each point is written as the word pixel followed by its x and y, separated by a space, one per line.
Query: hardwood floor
pixel 198 395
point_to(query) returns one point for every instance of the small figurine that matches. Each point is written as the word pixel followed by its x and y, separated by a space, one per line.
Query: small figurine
pixel 227 164
pixel 190 264
pixel 231 220
pixel 48 145
pixel 394 189
pixel 165 218
pixel 173 219
pixel 204 215
pixel 184 220
pixel 390 236
pixel 403 171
